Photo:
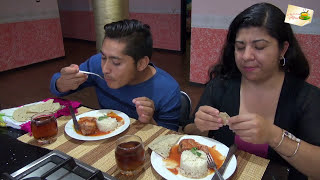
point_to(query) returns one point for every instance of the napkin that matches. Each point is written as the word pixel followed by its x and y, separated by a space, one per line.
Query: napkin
pixel 6 119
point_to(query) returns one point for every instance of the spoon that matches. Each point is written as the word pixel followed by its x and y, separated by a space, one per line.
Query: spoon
pixel 86 72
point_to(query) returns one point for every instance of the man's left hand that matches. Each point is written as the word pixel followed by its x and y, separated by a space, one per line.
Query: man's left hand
pixel 145 109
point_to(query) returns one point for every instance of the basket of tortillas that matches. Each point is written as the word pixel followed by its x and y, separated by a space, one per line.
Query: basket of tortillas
pixel 25 113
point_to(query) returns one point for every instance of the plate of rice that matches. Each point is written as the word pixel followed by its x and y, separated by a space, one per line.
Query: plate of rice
pixel 191 164
pixel 109 125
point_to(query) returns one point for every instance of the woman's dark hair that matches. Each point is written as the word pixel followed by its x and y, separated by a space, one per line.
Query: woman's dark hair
pixel 271 18
pixel 135 34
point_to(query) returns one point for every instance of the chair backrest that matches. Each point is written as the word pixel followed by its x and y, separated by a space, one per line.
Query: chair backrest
pixel 186 108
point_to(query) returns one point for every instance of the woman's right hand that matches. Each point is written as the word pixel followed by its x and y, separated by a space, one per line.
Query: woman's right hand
pixel 207 118
pixel 70 78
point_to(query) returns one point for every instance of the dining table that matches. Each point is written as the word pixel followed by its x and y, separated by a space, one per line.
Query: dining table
pixel 100 154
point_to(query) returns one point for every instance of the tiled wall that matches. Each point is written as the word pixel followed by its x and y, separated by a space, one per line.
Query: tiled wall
pixel 210 21
pixel 29 33
pixel 310 45
pixel 165 29
pixel 77 20
pixel 164 19
pixel 25 43
pixel 205 51
pixel 207 45
pixel 78 25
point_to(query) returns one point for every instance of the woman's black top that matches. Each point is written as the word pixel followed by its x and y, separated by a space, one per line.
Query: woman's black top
pixel 298 111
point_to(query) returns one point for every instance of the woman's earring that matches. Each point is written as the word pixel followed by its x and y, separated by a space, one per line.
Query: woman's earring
pixel 284 61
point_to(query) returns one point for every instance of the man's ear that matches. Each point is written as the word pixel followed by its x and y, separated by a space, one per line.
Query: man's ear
pixel 143 63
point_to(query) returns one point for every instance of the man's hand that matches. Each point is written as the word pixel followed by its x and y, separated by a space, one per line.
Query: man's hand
pixel 207 118
pixel 145 109
pixel 70 78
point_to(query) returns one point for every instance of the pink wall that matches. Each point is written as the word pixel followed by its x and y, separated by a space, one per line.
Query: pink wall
pixel 210 21
pixel 25 43
pixel 165 29
pixel 77 20
pixel 164 19
pixel 310 45
pixel 206 45
pixel 29 33
pixel 78 25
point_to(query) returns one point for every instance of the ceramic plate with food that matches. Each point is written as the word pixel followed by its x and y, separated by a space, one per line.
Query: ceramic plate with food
pixel 98 124
pixel 191 151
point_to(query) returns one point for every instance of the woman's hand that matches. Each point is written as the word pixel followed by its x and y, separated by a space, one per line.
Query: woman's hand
pixel 207 118
pixel 252 128
pixel 70 78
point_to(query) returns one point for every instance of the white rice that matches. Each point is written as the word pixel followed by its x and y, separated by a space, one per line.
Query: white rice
pixel 193 166
pixel 108 124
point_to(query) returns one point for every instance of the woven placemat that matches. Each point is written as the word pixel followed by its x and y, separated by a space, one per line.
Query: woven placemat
pixel 249 166
pixel 100 154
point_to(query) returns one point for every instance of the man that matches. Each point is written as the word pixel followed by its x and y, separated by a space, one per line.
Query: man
pixel 131 83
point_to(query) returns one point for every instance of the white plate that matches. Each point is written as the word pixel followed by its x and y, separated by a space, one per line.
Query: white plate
pixel 69 129
pixel 159 165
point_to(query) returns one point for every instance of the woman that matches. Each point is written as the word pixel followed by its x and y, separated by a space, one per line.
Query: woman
pixel 260 83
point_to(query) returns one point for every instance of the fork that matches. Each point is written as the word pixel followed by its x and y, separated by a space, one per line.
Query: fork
pixel 86 72
pixel 212 164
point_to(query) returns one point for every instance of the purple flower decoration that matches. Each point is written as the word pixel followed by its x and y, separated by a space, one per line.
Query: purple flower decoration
pixel 26 127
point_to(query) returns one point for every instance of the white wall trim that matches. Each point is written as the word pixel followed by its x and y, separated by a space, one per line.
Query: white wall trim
pixel 30 16
pixel 312 28
pixel 154 11
pixel 210 21
pixel 223 22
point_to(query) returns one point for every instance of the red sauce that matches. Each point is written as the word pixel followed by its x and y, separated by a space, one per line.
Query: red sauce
pixel 175 157
pixel 97 133
pixel 114 115
pixel 174 171
pixel 217 156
